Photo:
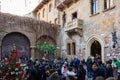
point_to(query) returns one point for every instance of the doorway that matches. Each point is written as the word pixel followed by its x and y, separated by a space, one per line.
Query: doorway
pixel 95 48
pixel 18 41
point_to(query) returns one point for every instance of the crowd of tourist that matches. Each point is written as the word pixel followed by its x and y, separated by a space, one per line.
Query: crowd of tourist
pixel 74 69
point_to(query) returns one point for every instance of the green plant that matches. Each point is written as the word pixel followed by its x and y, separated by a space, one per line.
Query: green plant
pixel 47 47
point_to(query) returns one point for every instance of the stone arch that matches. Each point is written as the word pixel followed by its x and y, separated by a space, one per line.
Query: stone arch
pixel 46 38
pixel 21 42
pixel 90 42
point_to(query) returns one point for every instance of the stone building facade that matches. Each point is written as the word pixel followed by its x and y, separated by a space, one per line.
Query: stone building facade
pixel 47 11
pixel 88 27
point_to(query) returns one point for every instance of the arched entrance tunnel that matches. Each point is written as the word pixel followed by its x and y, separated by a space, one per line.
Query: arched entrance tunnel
pixel 16 40
pixel 95 48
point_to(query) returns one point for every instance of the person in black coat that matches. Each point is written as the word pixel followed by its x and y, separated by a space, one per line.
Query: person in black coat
pixel 81 72
pixel 89 67
pixel 31 70
pixel 96 71
pixel 38 71
pixel 109 71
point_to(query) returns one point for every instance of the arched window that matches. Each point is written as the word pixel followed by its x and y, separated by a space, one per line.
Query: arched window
pixel 43 13
pixel 38 16
pixel 50 7
pixel 94 6
pixel 55 4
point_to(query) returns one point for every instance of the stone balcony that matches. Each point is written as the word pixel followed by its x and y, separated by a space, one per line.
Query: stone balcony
pixel 61 4
pixel 75 26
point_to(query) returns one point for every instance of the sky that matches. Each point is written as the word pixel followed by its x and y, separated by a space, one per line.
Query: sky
pixel 18 7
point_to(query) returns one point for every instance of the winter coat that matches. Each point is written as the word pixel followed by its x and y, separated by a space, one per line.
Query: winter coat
pixel 81 74
pixel 76 62
pixel 89 64
pixel 54 76
pixel 97 73
pixel 102 68
pixel 109 72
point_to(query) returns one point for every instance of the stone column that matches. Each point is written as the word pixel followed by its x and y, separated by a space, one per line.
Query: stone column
pixel 33 51
pixel 58 54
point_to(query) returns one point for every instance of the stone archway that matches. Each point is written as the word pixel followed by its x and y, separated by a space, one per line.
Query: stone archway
pixel 17 40
pixel 46 38
pixel 90 42
pixel 49 40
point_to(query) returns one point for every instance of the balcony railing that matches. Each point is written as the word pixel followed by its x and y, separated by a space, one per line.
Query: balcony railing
pixel 74 25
